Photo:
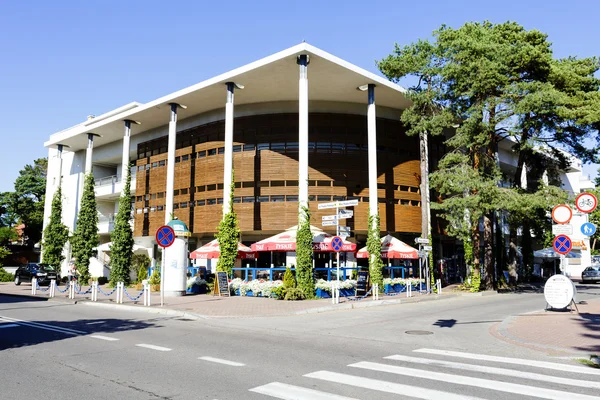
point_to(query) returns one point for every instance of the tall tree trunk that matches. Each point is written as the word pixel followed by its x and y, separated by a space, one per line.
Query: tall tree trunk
pixel 476 272
pixel 512 256
pixel 527 250
pixel 488 254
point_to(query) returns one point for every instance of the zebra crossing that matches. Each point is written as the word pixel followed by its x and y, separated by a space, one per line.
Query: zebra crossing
pixel 414 375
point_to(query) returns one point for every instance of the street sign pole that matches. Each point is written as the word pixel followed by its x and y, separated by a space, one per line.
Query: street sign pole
pixel 337 233
pixel 162 278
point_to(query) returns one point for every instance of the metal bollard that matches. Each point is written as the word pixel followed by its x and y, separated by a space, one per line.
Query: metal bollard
pixel 120 287
pixel 408 290
pixel 376 291
pixel 332 294
pixel 439 286
pixel 72 289
pixel 94 290
pixel 147 294
pixel 52 288
pixel 33 286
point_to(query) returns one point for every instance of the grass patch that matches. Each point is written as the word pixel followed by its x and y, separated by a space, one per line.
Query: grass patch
pixel 587 362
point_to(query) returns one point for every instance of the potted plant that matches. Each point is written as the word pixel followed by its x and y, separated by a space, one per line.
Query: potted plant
pixel 196 285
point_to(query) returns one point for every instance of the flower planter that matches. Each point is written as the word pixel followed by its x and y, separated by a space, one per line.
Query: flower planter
pixel 346 292
pixel 323 294
pixel 194 289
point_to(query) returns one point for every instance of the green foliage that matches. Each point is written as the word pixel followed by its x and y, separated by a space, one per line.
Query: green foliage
pixel 155 277
pixel 102 280
pixel 7 235
pixel 85 238
pixel 228 236
pixel 122 238
pixel 279 292
pixel 288 279
pixel 294 294
pixel 140 263
pixel 374 249
pixel 56 234
pixel 6 276
pixel 304 255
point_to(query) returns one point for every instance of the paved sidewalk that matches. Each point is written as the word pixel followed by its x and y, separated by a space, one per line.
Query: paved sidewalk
pixel 207 306
pixel 556 333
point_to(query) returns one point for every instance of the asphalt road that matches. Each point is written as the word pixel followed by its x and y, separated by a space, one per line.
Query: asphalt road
pixel 52 350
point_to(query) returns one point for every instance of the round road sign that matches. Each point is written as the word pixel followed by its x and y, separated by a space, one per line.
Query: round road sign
pixel 558 291
pixel 586 202
pixel 588 229
pixel 165 236
pixel 337 243
pixel 562 244
pixel 562 214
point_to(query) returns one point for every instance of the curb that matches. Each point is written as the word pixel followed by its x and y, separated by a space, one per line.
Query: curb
pixel 148 310
pixel 352 305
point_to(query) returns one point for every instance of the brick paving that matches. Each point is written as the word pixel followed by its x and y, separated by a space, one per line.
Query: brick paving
pixel 555 332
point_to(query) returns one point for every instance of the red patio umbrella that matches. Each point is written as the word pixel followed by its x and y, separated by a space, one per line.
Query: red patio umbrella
pixel 392 248
pixel 286 241
pixel 212 250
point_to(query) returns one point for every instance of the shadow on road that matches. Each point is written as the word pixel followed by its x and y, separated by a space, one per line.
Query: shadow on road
pixel 591 322
pixel 19 332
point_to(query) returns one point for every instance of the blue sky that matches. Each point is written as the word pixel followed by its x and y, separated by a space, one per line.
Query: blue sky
pixel 63 60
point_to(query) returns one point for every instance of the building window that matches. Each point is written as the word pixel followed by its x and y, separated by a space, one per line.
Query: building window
pixel 211 187
pixel 338 148
pixel 237 199
pixel 183 205
pixel 160 208
pixel 177 159
pixel 183 191
pixel 263 199
pixel 277 183
pixel 139 198
pixel 291 183
pixel 262 146
pixel 249 147
pixel 277 199
pixel 291 147
pixel 211 202
pixel 176 192
pixel 162 163
pixel 220 200
pixel 248 199
pixel 221 150
pixel 155 164
pixel 175 206
pixel 323 183
pixel 291 198
pixel 140 167
pixel 185 157
pixel 160 195
pixel 201 188
pixel 278 147
pixel 323 198
pixel 201 202
pixel 339 198
pixel 152 209
pixel 202 154
pixel 211 152
pixel 219 186
pixel 311 198
pixel 237 148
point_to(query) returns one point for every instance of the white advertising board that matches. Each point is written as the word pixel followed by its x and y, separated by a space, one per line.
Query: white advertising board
pixel 558 291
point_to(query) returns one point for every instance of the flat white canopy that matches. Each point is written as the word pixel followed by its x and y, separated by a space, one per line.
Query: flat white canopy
pixel 271 79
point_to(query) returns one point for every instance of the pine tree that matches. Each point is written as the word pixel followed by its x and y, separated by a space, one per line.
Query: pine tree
pixel 56 234
pixel 374 249
pixel 122 238
pixel 85 238
pixel 304 256
pixel 228 236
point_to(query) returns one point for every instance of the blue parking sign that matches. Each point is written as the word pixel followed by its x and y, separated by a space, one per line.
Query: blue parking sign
pixel 588 229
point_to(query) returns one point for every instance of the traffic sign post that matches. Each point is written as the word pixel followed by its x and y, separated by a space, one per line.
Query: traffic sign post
pixel 165 237
pixel 562 244
pixel 562 214
pixel 337 241
pixel 586 202
pixel 588 229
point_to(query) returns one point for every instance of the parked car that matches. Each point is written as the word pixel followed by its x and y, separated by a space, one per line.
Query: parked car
pixel 591 274
pixel 43 272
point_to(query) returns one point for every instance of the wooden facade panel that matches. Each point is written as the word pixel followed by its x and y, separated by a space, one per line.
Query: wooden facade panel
pixel 338 167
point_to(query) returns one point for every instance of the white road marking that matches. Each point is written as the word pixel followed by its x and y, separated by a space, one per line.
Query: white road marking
pixel 110 339
pixel 153 347
pixel 8 325
pixel 518 361
pixel 39 325
pixel 289 392
pixel 507 387
pixel 497 371
pixel 221 361
pixel 388 387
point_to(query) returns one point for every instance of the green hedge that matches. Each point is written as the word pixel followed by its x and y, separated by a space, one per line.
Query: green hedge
pixel 6 276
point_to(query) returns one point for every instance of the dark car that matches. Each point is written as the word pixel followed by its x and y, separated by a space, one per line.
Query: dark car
pixel 43 272
pixel 591 274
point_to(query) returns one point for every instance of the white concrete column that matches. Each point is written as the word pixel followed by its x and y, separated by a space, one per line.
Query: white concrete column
pixel 88 153
pixel 372 152
pixel 125 160
pixel 303 61
pixel 171 161
pixel 228 162
pixel 60 148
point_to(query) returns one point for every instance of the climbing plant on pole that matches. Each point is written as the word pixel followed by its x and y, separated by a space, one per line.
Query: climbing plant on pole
pixel 228 236
pixel 304 255
pixel 374 249
pixel 56 234
pixel 85 238
pixel 122 237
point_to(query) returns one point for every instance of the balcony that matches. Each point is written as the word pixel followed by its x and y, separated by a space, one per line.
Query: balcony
pixel 109 187
pixel 106 223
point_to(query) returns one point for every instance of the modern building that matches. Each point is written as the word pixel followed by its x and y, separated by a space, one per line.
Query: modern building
pixel 298 127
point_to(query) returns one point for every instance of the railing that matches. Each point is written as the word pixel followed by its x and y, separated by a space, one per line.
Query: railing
pixel 252 273
pixel 112 179
pixel 106 218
